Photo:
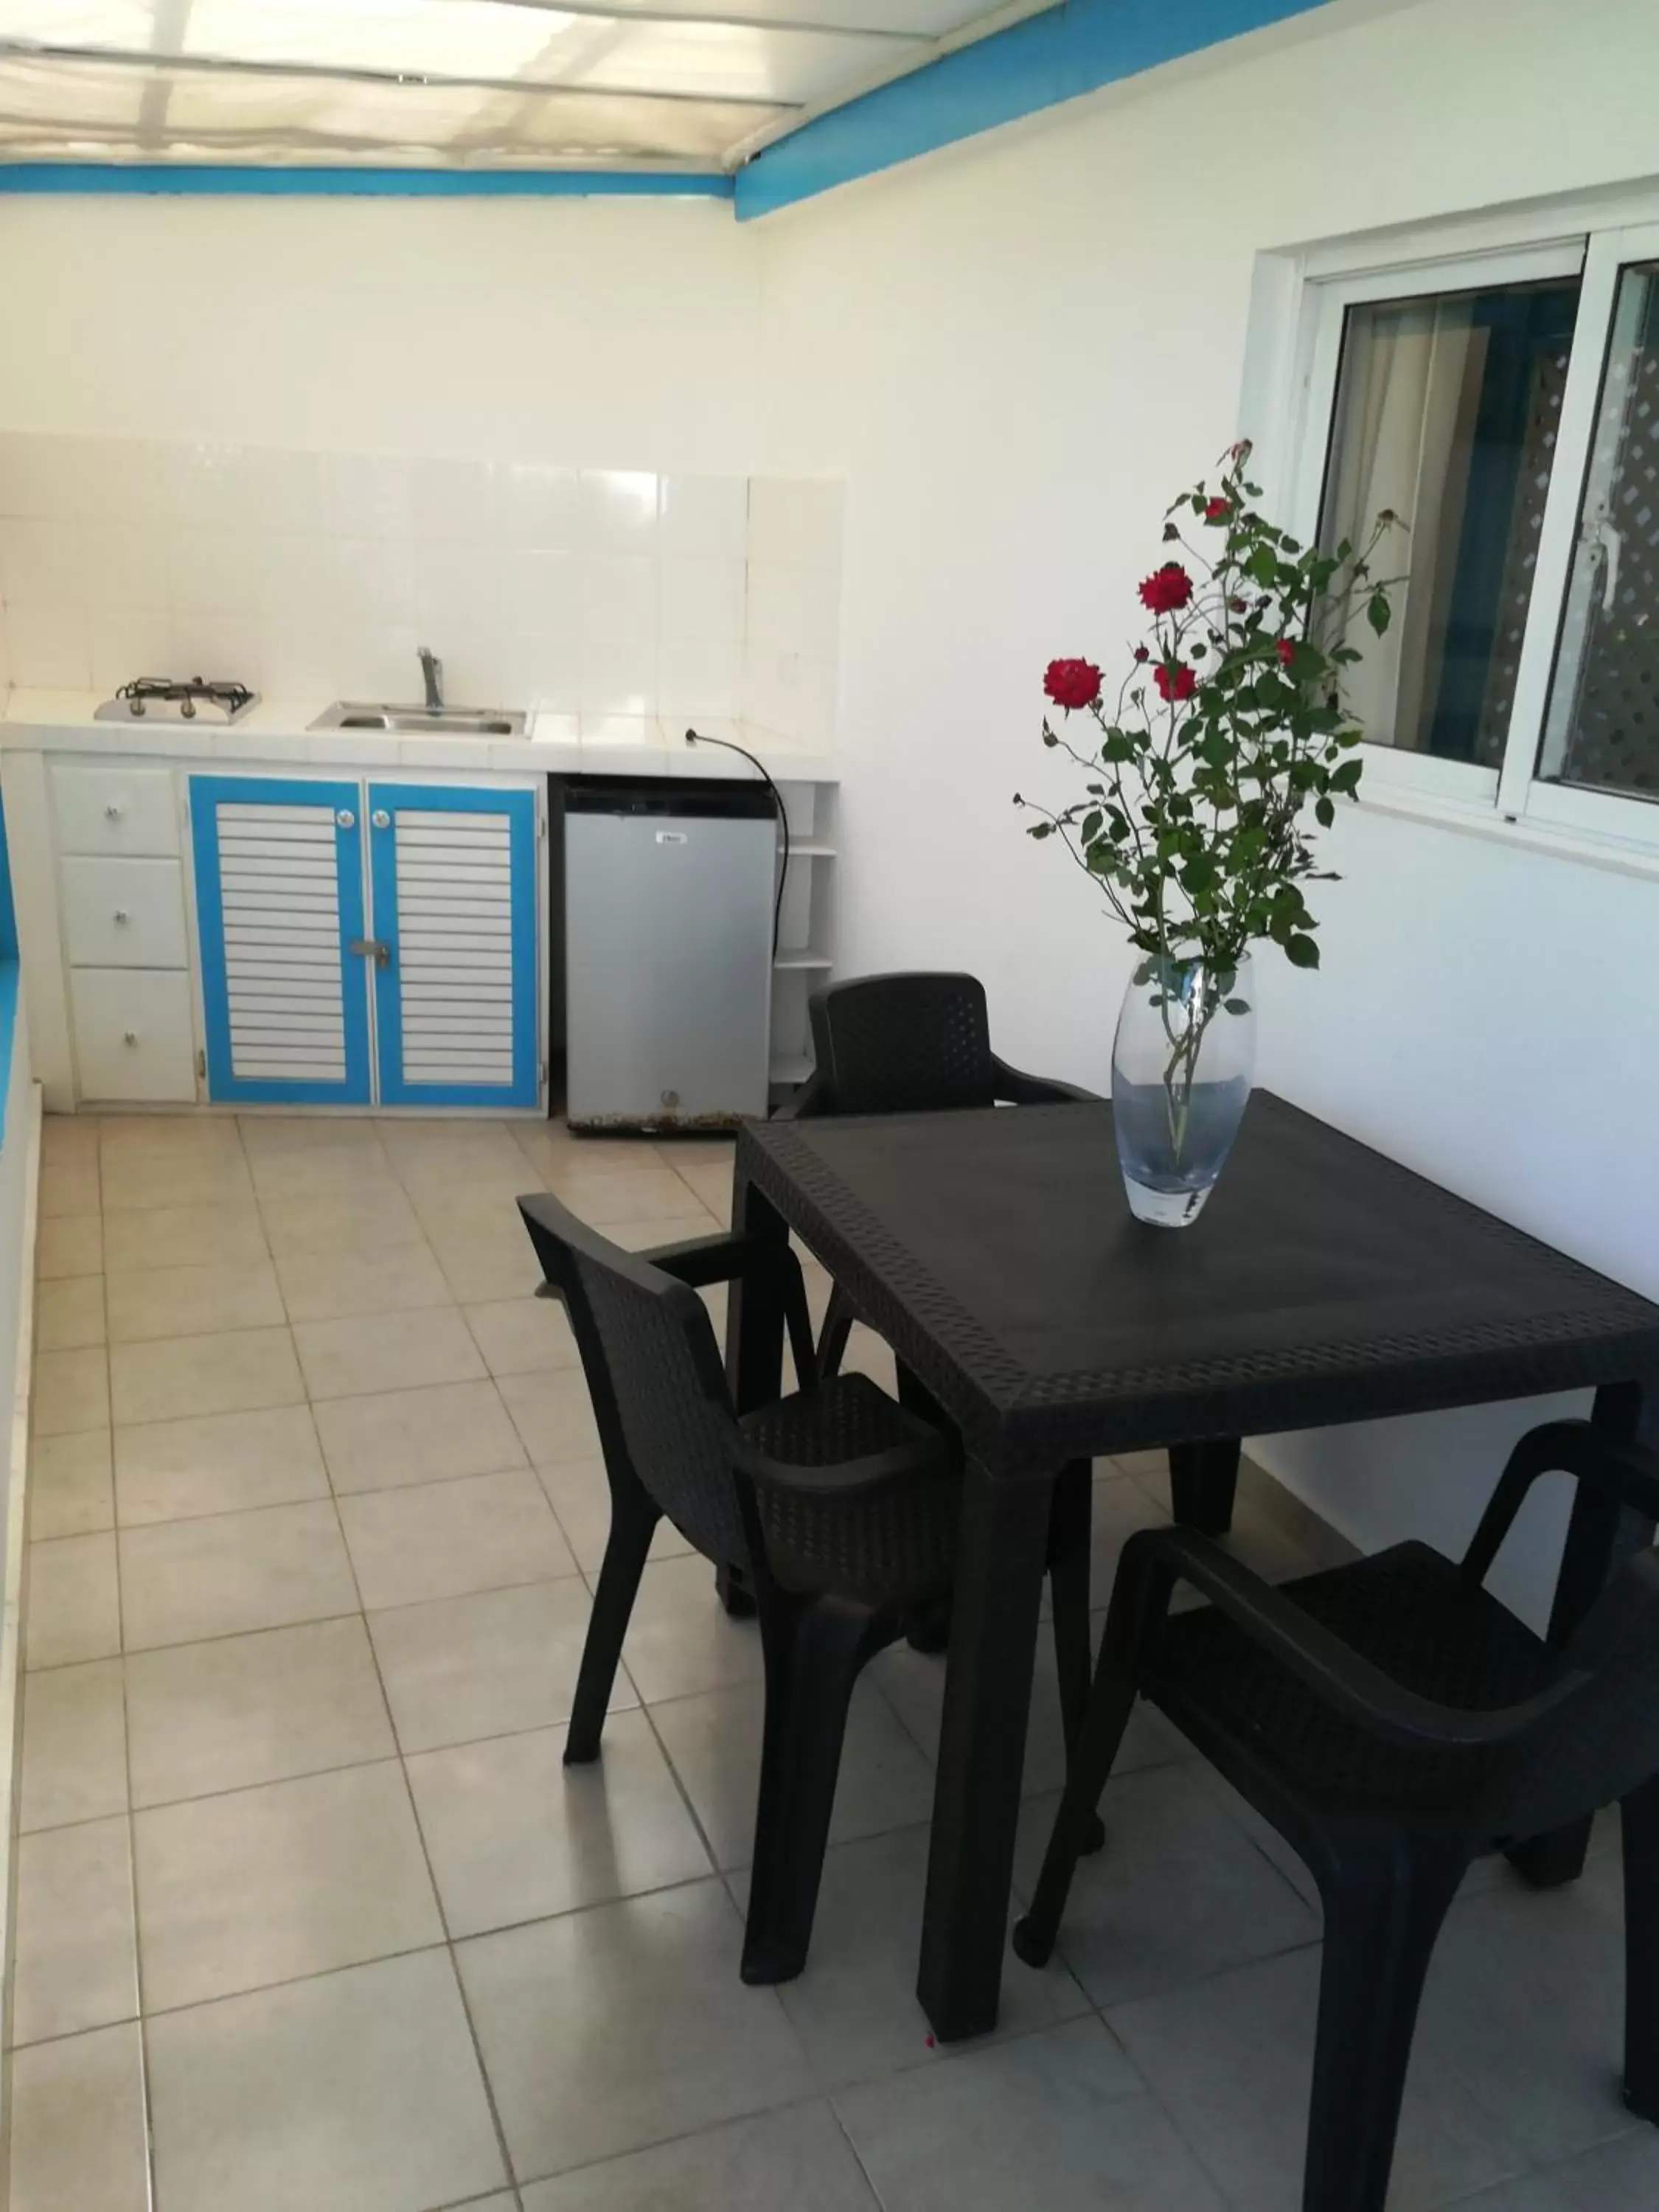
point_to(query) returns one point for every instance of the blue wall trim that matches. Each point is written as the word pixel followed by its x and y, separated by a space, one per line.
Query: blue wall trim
pixel 8 911
pixel 520 808
pixel 208 794
pixel 221 178
pixel 1067 50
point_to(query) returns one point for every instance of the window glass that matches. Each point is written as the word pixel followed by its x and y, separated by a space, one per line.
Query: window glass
pixel 1446 412
pixel 1602 728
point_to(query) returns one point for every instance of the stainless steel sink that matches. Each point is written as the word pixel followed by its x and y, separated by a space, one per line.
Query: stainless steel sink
pixel 416 721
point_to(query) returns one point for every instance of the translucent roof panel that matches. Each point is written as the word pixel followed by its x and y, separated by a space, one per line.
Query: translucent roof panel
pixel 470 82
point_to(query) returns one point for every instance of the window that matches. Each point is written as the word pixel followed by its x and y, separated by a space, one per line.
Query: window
pixel 1505 405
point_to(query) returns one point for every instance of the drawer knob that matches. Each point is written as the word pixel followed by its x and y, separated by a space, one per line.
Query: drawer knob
pixel 346 819
pixel 129 1036
pixel 121 914
pixel 113 811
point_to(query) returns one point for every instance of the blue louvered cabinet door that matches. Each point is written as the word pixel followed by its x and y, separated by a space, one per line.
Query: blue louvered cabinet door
pixel 279 906
pixel 452 876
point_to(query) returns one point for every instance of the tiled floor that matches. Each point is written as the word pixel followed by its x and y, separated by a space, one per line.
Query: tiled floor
pixel 312 1917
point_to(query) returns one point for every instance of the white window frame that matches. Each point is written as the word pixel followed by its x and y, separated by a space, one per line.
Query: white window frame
pixel 1299 306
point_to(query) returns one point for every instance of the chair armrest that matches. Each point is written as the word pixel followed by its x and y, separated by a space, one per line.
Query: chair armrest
pixel 812 1098
pixel 1621 1470
pixel 1022 1090
pixel 1336 1673
pixel 699 1261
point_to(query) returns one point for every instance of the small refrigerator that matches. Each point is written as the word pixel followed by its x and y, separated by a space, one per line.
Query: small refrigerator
pixel 669 896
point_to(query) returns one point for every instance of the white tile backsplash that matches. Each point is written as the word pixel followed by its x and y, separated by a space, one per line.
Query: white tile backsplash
pixel 616 592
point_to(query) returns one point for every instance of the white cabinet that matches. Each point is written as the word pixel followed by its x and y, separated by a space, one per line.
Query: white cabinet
pixel 124 914
pixel 134 1039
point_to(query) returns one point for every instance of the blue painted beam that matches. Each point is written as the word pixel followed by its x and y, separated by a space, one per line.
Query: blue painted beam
pixel 1046 58
pixel 221 178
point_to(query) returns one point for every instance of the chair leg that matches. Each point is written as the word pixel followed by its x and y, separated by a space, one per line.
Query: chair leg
pixel 814 1653
pixel 633 1519
pixel 1069 1521
pixel 1640 1817
pixel 1383 1909
pixel 1109 1707
pixel 832 1339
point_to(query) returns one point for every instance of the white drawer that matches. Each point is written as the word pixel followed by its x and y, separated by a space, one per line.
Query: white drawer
pixel 133 1034
pixel 125 914
pixel 115 809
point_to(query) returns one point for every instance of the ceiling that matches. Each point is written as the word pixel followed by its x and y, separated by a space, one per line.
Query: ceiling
pixel 462 83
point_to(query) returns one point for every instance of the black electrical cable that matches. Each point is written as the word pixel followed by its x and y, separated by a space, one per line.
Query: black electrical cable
pixel 696 738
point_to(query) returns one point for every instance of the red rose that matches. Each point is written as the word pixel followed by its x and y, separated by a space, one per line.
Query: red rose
pixel 1176 683
pixel 1167 588
pixel 1071 684
pixel 1218 510
pixel 1143 652
pixel 1285 648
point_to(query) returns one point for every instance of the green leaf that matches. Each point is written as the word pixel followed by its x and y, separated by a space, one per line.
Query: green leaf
pixel 1377 612
pixel 1237 1005
pixel 1302 952
pixel 1325 811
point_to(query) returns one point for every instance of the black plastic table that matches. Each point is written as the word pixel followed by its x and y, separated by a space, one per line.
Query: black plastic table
pixel 995 1252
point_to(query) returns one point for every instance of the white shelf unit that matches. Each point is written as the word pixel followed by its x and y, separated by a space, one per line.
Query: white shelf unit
pixel 806 929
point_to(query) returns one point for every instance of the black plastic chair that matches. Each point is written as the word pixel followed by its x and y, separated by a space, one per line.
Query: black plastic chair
pixel 838 1504
pixel 1394 1721
pixel 915 1042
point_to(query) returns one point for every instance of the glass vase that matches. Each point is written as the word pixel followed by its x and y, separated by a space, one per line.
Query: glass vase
pixel 1182 1065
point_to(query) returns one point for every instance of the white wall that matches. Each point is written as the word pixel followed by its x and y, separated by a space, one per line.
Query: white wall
pixel 1017 351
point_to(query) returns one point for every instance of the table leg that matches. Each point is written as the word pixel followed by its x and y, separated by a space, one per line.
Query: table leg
pixel 1203 1480
pixel 1001 1552
pixel 754 1347
pixel 1600 1534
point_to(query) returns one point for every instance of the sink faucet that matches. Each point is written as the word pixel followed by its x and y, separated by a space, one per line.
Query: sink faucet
pixel 432 670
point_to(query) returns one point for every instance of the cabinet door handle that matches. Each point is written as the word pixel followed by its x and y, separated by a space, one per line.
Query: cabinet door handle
pixel 121 915
pixel 346 819
pixel 372 948
pixel 129 1036
pixel 112 811
pixel 381 818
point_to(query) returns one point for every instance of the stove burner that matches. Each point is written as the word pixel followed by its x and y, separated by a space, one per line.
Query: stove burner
pixel 147 690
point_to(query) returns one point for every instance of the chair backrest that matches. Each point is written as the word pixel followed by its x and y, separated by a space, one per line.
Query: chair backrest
pixel 1601 1741
pixel 654 1375
pixel 914 1043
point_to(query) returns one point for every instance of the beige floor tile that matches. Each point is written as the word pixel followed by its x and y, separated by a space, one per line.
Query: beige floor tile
pixel 217 1463
pixel 70 1493
pixel 553 1414
pixel 357 2091
pixel 463 1667
pixel 157 1301
pixel 710 1185
pixel 797 2159
pixel 486 1270
pixel 460 1212
pixel 270 1884
pixel 133 1136
pixel 206 1175
pixel 74 1609
pixel 680 1638
pixel 523 1336
pixel 68 1136
pixel 184 1237
pixel 311 1131
pixel 355 1171
pixel 77 1962
pixel 580 1497
pixel 386 1352
pixel 348 1222
pixel 71 1392
pixel 233 1572
pixel 68 1313
pixel 516 1835
pixel 203 1717
pixel 73 1244
pixel 444 1539
pixel 338 1286
pixel 75 1745
pixel 654 1977
pixel 635 1195
pixel 676 1229
pixel 551 1146
pixel 69 1187
pixel 450 1148
pixel 78 2139
pixel 394 1436
pixel 177 1378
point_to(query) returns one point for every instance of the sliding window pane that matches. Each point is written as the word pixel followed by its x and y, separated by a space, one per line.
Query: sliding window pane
pixel 1601 729
pixel 1446 413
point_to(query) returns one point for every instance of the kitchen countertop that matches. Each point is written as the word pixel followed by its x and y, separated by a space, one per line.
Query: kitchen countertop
pixel 276 733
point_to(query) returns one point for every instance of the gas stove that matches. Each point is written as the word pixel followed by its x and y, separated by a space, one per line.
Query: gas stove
pixel 169 699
